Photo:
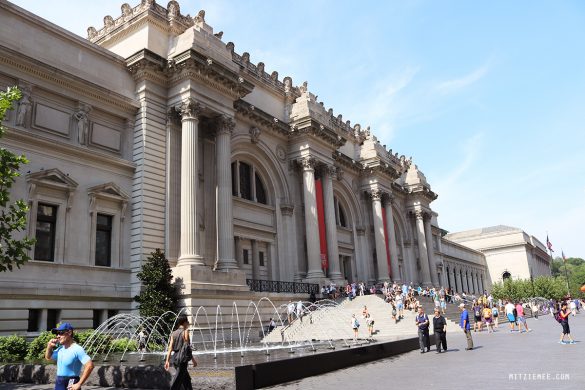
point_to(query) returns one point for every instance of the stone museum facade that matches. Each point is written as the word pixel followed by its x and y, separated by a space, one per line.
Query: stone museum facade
pixel 154 133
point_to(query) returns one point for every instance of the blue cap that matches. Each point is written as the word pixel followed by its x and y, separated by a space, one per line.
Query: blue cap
pixel 63 326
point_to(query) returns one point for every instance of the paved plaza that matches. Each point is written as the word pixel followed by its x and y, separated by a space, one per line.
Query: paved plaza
pixel 500 360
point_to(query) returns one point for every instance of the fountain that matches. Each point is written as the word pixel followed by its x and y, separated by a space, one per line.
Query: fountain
pixel 226 332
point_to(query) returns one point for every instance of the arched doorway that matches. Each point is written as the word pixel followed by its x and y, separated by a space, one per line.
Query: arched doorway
pixel 506 275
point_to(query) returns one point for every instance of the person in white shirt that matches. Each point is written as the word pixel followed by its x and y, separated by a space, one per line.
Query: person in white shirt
pixel 300 310
pixel 509 308
pixel 290 310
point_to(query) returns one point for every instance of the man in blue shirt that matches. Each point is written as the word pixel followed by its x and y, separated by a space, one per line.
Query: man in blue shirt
pixel 70 357
pixel 464 324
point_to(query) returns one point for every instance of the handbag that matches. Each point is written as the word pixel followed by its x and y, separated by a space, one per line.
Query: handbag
pixel 183 355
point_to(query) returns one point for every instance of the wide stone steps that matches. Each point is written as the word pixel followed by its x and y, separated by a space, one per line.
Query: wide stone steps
pixel 334 323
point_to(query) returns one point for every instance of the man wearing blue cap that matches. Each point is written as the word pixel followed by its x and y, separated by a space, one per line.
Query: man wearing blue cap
pixel 70 357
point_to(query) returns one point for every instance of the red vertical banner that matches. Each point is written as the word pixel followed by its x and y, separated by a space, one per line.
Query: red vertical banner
pixel 321 221
pixel 386 241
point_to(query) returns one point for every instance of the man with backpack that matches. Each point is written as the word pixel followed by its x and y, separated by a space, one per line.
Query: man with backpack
pixel 422 323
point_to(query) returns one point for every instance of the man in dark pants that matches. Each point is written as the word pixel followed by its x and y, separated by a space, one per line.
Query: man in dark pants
pixel 440 328
pixel 422 322
pixel 464 323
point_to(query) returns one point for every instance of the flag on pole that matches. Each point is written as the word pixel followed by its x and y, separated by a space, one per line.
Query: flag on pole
pixel 563 254
pixel 549 244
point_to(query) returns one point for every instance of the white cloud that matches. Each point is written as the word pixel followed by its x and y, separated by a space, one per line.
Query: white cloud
pixel 471 149
pixel 454 85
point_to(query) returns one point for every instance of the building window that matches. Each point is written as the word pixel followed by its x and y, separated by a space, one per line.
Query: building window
pixel 245 257
pixel 45 232
pixel 53 318
pixel 96 318
pixel 261 258
pixel 112 313
pixel 34 317
pixel 247 183
pixel 103 240
pixel 340 218
pixel 506 275
pixel 260 192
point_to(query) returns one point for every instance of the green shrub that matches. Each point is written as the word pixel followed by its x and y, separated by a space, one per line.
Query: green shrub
pixel 37 347
pixel 124 344
pixel 12 349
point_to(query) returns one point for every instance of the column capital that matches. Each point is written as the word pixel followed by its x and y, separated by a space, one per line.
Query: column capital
pixel 173 116
pixel 225 124
pixel 377 195
pixel 419 214
pixel 307 163
pixel 388 199
pixel 189 109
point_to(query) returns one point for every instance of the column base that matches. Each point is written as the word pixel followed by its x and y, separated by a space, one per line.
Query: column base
pixel 227 264
pixel 198 280
pixel 189 260
pixel 315 274
pixel 336 277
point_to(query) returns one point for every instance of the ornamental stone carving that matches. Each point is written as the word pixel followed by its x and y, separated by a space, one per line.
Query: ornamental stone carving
pixel 24 106
pixel 82 117
pixel 281 153
pixel 254 134
pixel 200 18
pixel 225 124
pixel 108 22
pixel 287 209
pixel 308 163
pixel 173 117
pixel 377 195
pixel 419 214
pixel 189 109
pixel 173 9
pixel 126 11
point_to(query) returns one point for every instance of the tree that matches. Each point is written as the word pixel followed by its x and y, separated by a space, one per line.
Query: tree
pixel 159 293
pixel 13 216
pixel 574 268
pixel 518 290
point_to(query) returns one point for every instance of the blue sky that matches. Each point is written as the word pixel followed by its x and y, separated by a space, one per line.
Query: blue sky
pixel 488 97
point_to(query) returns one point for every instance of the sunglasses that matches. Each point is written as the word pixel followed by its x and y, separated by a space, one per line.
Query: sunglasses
pixel 61 332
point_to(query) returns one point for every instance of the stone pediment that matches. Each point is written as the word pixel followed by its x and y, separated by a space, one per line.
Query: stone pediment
pixel 52 178
pixel 109 191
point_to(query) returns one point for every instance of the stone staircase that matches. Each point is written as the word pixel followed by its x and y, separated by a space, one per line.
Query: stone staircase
pixel 333 322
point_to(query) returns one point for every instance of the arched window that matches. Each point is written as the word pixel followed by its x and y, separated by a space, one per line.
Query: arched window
pixel 247 184
pixel 340 216
pixel 506 275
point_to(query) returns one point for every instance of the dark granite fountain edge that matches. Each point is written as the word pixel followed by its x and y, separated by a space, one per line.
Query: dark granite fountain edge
pixel 256 376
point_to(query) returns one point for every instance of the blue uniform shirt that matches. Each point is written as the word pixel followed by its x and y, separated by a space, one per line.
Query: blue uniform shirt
pixel 70 360
pixel 464 316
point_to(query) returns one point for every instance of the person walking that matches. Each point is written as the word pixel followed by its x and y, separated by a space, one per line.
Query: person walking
pixel 487 317
pixel 370 324
pixel 496 315
pixel 564 314
pixel 290 310
pixel 300 310
pixel 181 380
pixel 510 314
pixel 477 316
pixel 70 358
pixel 440 329
pixel 422 323
pixel 355 325
pixel 464 324
pixel 521 318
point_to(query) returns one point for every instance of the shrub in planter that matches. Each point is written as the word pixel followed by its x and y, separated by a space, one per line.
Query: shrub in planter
pixel 37 347
pixel 120 345
pixel 12 349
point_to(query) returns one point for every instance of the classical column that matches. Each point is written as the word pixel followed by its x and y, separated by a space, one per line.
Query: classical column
pixel 225 224
pixel 431 251
pixel 311 223
pixel 330 225
pixel 451 278
pixel 189 251
pixel 379 238
pixel 173 191
pixel 422 249
pixel 238 244
pixel 392 239
pixel 468 281
pixel 481 283
pixel 459 287
pixel 255 260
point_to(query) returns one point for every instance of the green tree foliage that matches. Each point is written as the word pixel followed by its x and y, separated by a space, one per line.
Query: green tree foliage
pixel 12 215
pixel 575 271
pixel 12 349
pixel 158 294
pixel 522 289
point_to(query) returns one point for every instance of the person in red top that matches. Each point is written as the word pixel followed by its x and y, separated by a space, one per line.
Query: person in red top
pixel 564 314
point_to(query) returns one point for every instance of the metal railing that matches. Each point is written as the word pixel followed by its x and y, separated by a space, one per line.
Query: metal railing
pixel 281 287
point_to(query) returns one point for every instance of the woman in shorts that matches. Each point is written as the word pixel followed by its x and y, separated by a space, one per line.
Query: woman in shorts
pixel 495 315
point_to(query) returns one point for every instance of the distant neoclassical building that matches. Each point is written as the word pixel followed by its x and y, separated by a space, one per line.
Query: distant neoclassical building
pixel 509 252
pixel 154 133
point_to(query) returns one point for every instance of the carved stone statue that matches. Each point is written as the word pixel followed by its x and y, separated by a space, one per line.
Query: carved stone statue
pixel 82 116
pixel 23 109
pixel 200 18
pixel 254 134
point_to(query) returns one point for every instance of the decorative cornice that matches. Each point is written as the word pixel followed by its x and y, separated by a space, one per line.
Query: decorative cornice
pixel 67 81
pixel 261 118
pixel 147 65
pixel 309 126
pixel 346 161
pixel 193 65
